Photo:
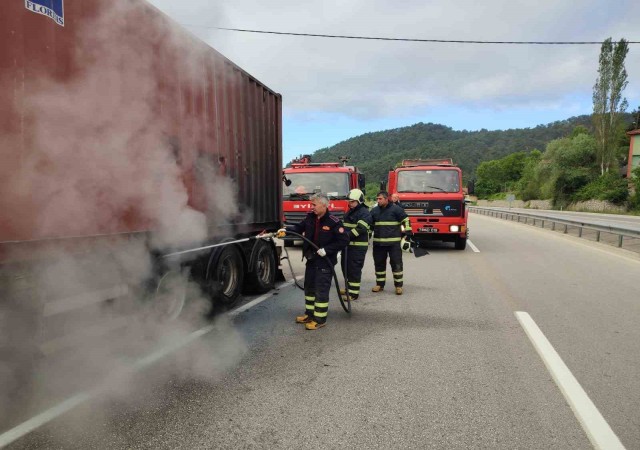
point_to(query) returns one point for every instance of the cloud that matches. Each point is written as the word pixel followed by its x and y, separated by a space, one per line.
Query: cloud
pixel 383 79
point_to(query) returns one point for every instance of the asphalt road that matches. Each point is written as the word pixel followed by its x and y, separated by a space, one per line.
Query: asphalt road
pixel 446 365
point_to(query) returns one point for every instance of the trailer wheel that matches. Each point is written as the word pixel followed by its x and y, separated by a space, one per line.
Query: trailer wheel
pixel 226 278
pixel 262 270
pixel 170 295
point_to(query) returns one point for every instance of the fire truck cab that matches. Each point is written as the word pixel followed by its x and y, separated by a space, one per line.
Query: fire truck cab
pixel 303 179
pixel 431 193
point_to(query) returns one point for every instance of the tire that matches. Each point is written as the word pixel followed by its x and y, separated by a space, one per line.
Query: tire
pixel 261 276
pixel 170 296
pixel 461 243
pixel 225 278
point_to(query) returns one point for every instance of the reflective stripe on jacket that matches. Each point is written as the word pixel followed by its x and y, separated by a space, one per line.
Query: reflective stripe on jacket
pixel 358 221
pixel 386 224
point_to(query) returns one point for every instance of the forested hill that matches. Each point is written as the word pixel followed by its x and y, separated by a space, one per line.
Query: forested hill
pixel 375 153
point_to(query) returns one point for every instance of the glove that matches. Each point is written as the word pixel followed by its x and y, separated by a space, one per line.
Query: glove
pixel 282 232
pixel 321 252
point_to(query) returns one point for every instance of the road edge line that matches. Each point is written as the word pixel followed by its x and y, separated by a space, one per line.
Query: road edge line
pixel 595 426
pixel 40 419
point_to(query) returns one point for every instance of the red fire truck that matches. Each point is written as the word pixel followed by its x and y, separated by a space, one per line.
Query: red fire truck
pixel 430 191
pixel 304 178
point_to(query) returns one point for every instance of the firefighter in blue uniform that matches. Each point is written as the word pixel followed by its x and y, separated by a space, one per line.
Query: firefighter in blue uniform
pixel 358 224
pixel 390 223
pixel 328 233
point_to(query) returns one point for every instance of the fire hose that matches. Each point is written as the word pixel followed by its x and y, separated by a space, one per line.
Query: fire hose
pixel 346 305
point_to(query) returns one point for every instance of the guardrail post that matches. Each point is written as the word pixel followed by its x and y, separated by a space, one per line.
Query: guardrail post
pixel 553 226
pixel 518 218
pixel 566 228
pixel 598 236
pixel 534 221
pixel 543 223
pixel 580 232
pixel 620 241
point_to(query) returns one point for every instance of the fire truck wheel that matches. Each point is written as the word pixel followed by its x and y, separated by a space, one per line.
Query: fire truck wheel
pixel 461 243
pixel 261 276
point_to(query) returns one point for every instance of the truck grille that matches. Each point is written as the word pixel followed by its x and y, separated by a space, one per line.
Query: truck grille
pixel 433 208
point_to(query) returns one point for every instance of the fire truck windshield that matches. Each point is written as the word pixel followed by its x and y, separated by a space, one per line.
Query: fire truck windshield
pixel 304 184
pixel 442 180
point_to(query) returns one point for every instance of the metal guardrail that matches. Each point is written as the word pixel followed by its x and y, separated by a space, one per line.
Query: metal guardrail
pixel 620 232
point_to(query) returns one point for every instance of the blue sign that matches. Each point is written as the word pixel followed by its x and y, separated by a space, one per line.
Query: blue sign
pixel 54 9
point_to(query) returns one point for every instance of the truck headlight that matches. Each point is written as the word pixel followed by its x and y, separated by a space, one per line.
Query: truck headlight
pixel 454 228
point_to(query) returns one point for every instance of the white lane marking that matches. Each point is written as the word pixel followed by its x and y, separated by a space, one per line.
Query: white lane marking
pixel 473 247
pixel 42 418
pixel 598 430
pixel 67 405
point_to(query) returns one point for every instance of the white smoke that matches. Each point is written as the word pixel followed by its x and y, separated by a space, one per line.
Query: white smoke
pixel 100 161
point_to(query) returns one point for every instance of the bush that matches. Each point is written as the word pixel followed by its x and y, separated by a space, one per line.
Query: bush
pixel 610 187
pixel 634 200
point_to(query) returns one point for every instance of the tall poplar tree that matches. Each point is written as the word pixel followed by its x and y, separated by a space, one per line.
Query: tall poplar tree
pixel 608 103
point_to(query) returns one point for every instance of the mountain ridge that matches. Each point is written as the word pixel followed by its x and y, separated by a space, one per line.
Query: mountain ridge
pixel 377 151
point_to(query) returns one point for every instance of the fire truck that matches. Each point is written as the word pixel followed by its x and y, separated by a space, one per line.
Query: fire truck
pixel 431 193
pixel 304 178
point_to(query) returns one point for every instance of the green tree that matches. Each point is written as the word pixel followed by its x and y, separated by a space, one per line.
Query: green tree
pixel 610 186
pixel 500 175
pixel 580 129
pixel 608 103
pixel 569 164
pixel 529 184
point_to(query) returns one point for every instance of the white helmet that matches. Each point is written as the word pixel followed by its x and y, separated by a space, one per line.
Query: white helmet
pixel 356 194
pixel 405 245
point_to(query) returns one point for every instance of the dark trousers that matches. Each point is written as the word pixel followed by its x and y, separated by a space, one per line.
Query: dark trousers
pixel 380 253
pixel 352 262
pixel 317 283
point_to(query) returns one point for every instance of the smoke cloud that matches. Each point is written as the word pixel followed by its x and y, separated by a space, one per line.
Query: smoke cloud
pixel 100 161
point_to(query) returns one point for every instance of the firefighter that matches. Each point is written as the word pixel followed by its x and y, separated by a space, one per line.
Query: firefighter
pixel 358 224
pixel 390 223
pixel 328 233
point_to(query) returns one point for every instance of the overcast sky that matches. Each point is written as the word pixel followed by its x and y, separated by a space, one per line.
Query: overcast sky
pixel 334 89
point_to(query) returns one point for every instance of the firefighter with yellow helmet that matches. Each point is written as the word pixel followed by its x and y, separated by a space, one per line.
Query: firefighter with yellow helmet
pixel 358 223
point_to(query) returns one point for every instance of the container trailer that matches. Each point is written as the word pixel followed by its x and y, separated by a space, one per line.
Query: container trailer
pixel 129 149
